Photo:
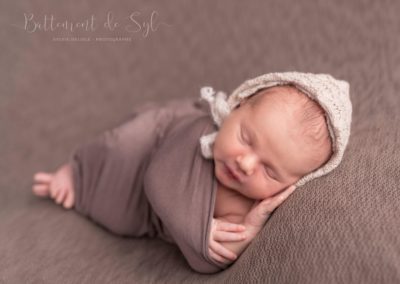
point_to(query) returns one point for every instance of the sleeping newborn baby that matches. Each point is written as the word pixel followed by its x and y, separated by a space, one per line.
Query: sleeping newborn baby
pixel 150 176
pixel 262 149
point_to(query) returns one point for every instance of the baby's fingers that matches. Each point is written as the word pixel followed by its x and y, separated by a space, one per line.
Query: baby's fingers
pixel 222 251
pixel 217 257
pixel 269 205
pixel 228 236
pixel 260 213
pixel 278 200
pixel 221 225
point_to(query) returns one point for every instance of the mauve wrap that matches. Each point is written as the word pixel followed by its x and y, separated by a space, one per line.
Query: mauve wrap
pixel 147 177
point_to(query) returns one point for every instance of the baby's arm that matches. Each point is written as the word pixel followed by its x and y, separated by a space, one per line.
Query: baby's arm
pixel 226 248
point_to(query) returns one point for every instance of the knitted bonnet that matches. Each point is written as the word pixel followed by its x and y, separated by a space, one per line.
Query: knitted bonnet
pixel 331 94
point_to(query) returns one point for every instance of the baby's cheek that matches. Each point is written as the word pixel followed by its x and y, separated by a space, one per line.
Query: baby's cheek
pixel 264 188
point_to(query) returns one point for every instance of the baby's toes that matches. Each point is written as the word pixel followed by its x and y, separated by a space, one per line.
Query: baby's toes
pixel 42 177
pixel 41 189
pixel 54 190
pixel 60 196
pixel 69 200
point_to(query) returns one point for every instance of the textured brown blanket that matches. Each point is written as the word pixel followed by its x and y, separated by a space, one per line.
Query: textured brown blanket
pixel 147 177
pixel 341 228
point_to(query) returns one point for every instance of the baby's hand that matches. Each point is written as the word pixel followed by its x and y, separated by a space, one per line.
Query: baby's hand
pixel 261 211
pixel 253 222
pixel 222 231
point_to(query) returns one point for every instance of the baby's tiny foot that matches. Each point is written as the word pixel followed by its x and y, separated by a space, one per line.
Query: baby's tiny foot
pixel 58 186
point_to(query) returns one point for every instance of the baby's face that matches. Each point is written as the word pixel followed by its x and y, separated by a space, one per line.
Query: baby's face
pixel 254 143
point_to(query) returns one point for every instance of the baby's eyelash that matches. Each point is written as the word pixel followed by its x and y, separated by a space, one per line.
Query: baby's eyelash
pixel 265 168
pixel 242 138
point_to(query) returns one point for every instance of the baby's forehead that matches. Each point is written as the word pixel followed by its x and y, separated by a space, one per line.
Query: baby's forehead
pixel 283 93
pixel 284 98
pixel 286 103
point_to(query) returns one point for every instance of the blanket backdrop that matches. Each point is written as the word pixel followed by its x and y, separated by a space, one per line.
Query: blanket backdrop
pixel 56 94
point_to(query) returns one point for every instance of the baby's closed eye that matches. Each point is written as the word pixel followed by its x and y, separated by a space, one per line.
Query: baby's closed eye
pixel 243 137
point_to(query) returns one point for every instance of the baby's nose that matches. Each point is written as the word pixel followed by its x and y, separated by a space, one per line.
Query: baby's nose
pixel 247 163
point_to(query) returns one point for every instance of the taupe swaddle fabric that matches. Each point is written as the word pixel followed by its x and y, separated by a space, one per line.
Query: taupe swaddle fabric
pixel 147 177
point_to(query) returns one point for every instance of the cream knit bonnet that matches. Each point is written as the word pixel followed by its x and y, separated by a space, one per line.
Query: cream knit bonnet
pixel 331 94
